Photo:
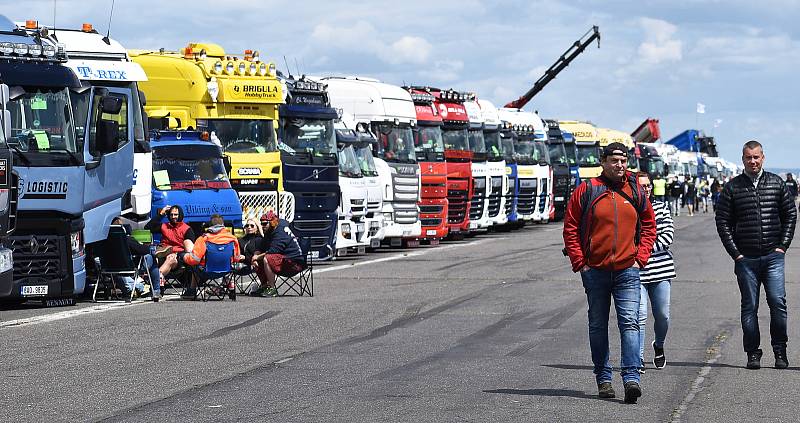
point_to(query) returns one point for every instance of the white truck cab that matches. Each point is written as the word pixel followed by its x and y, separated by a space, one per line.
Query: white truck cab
pixel 388 112
pixel 103 62
pixel 481 181
pixel 496 164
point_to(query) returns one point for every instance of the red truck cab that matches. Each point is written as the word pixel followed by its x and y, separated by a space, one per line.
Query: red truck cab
pixel 429 148
pixel 457 154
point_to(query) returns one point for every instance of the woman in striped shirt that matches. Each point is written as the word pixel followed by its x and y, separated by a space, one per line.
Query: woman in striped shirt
pixel 656 279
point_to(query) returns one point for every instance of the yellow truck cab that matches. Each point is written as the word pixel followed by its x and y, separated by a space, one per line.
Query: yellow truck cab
pixel 607 136
pixel 587 142
pixel 236 100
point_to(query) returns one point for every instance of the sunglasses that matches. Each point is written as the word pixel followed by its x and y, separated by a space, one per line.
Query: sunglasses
pixel 249 225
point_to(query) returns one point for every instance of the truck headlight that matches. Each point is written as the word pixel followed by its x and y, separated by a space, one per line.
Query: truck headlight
pixel 76 244
pixel 6 260
pixel 346 230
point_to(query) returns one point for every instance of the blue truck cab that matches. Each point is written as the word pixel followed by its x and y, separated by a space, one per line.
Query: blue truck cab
pixel 310 163
pixel 507 139
pixel 190 171
pixel 74 158
pixel 572 157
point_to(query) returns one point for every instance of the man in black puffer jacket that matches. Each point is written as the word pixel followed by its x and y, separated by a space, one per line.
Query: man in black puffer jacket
pixel 755 221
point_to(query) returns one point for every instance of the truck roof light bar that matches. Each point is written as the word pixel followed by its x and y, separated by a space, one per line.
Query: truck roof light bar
pixel 425 98
pixel 87 27
pixel 33 52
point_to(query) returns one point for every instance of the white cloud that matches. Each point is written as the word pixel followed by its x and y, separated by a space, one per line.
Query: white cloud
pixel 444 71
pixel 659 46
pixel 364 37
pixel 407 49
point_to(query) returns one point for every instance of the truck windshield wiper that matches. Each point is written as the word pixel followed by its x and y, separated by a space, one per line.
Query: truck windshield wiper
pixel 20 153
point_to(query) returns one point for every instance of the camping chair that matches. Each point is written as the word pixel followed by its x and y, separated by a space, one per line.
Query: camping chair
pixel 116 261
pixel 303 282
pixel 215 275
pixel 245 279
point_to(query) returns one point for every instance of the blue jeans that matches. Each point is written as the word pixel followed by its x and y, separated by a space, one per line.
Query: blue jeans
pixel 623 286
pixel 155 276
pixel 751 273
pixel 659 294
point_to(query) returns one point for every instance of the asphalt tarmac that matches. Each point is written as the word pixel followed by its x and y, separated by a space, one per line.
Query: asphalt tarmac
pixel 489 329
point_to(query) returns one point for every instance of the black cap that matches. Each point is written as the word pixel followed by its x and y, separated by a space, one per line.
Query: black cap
pixel 614 149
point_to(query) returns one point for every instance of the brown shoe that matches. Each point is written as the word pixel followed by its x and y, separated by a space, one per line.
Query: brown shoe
pixel 605 390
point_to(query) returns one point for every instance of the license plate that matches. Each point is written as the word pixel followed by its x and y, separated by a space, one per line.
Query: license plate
pixel 360 227
pixel 34 290
pixel 406 233
pixel 374 243
pixel 559 198
pixel 430 232
pixel 473 225
pixel 315 254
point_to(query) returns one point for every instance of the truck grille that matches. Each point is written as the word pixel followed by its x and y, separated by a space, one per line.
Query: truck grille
pixel 477 203
pixel 406 188
pixel 255 204
pixel 495 196
pixel 526 199
pixel 430 209
pixel 357 207
pixel 509 204
pixel 406 213
pixel 457 206
pixel 374 206
pixel 37 255
pixel 430 221
pixel 543 197
pixel 311 225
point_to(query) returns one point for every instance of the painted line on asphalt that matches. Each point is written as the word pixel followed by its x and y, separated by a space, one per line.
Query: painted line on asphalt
pixel 112 306
pixel 697 384
pixel 404 255
pixel 66 314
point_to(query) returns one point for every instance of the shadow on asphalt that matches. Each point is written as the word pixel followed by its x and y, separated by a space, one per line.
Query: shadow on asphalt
pixel 550 393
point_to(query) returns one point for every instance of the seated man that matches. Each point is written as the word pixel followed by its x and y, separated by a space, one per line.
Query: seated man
pixel 282 254
pixel 140 250
pixel 176 235
pixel 216 233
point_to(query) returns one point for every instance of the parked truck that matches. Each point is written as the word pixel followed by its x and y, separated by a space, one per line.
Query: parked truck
pixel 481 178
pixel 352 229
pixel 644 136
pixel 429 148
pixel 587 143
pixel 530 157
pixel 388 112
pixel 73 152
pixel 189 171
pixel 496 163
pixel 450 104
pixel 563 182
pixel 236 100
pixel 310 163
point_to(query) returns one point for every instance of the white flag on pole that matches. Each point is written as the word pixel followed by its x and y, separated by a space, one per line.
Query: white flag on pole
pixel 701 108
pixel 717 123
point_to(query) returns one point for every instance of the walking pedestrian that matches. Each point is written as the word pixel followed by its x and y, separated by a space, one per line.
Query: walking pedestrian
pixel 656 280
pixel 691 196
pixel 791 185
pixel 659 188
pixel 675 194
pixel 755 220
pixel 716 189
pixel 704 192
pixel 609 231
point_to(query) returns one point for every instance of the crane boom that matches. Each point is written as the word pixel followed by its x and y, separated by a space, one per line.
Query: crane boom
pixel 550 74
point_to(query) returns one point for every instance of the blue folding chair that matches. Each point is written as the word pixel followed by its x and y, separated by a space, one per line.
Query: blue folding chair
pixel 215 276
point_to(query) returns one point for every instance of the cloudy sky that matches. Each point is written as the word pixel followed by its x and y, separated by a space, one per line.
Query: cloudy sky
pixel 656 58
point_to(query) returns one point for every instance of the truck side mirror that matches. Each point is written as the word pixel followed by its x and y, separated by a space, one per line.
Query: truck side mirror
pixel 111 105
pixel 142 98
pixel 6 126
pixel 107 136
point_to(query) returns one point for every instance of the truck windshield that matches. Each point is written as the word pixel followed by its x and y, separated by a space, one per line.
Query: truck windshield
pixel 41 122
pixel 540 152
pixel 588 155
pixel 395 143
pixel 494 149
pixel 242 135
pixel 428 143
pixel 188 168
pixel 456 139
pixel 524 150
pixel 364 156
pixel 558 153
pixel 477 143
pixel 569 147
pixel 507 144
pixel 313 136
pixel 348 163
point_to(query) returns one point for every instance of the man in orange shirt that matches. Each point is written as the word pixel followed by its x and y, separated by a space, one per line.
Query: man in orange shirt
pixel 609 231
pixel 216 233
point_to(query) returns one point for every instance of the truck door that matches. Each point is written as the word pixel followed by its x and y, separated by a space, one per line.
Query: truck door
pixel 108 176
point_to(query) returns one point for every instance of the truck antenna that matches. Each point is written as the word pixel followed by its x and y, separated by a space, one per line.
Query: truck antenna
pixel 106 39
pixel 55 2
pixel 288 71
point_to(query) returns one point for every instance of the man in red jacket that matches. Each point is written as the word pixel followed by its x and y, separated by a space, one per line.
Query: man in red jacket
pixel 609 231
